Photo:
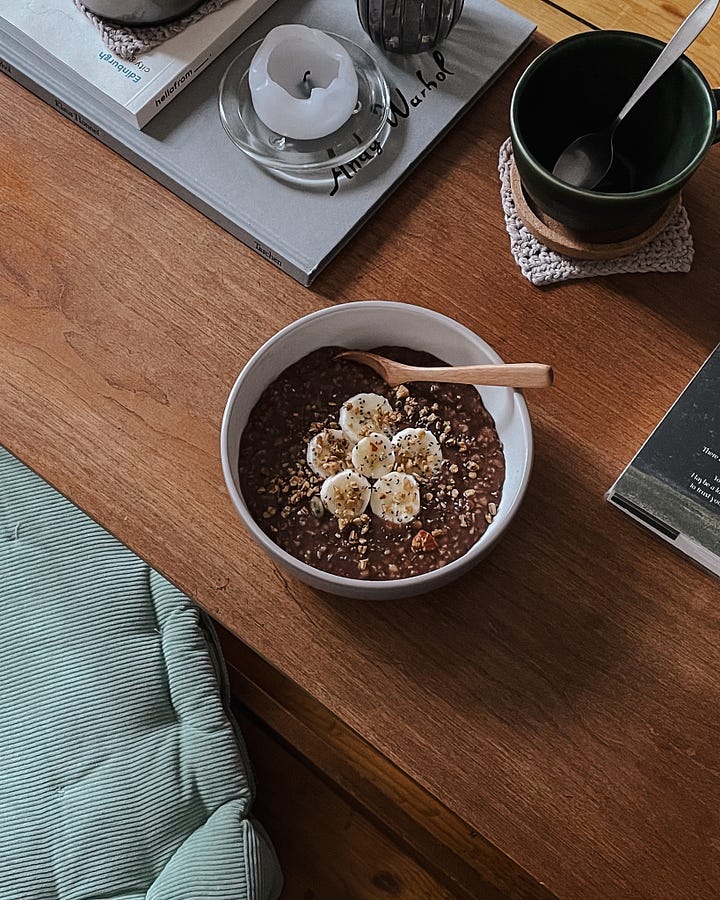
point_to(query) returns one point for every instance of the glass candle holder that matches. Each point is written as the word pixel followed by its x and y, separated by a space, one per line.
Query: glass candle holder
pixel 303 158
pixel 408 26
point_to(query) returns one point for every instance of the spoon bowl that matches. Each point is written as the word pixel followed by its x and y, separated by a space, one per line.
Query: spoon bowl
pixel 588 159
pixel 516 375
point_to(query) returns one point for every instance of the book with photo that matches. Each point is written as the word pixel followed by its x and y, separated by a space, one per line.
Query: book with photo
pixel 186 149
pixel 672 486
pixel 137 89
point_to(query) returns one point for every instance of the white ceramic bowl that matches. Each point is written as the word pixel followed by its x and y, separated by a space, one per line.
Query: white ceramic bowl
pixel 363 325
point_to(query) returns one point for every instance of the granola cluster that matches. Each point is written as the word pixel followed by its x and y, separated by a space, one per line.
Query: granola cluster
pixel 459 499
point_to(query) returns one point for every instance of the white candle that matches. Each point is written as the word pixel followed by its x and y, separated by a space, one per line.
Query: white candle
pixel 302 82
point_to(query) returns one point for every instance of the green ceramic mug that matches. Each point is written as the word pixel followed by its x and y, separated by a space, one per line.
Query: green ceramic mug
pixel 579 85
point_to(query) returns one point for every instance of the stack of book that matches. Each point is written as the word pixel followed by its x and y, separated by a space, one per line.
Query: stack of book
pixel 51 48
pixel 59 36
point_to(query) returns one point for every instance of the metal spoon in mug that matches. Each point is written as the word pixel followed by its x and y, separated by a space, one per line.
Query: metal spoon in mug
pixel 587 160
pixel 519 375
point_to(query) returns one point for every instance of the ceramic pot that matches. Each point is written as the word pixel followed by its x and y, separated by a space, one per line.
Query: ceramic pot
pixel 141 12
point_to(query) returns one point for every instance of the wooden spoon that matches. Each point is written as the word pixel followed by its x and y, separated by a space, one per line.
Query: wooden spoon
pixel 519 375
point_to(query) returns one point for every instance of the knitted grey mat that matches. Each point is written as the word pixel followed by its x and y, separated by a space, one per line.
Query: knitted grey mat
pixel 670 251
pixel 128 42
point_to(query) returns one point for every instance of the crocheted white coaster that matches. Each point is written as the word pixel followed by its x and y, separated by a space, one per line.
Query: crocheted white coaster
pixel 670 251
pixel 128 42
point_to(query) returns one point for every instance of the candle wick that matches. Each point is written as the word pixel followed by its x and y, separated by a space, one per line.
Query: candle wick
pixel 307 85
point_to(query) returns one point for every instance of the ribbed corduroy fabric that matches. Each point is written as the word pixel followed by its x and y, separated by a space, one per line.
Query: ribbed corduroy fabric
pixel 122 776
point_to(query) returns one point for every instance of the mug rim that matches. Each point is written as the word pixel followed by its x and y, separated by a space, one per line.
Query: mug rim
pixel 606 196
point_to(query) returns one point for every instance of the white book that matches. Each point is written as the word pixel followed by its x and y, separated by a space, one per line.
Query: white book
pixel 136 90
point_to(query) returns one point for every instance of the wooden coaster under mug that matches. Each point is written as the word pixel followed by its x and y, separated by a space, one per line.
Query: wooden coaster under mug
pixel 561 239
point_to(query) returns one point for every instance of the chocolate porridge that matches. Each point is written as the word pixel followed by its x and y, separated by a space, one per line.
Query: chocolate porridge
pixel 363 480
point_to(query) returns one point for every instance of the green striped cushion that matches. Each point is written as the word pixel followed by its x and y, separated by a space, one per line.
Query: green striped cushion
pixel 122 775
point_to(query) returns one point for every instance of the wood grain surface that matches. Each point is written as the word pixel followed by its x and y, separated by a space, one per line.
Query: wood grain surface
pixel 562 698
pixel 659 20
pixel 327 847
pixel 469 866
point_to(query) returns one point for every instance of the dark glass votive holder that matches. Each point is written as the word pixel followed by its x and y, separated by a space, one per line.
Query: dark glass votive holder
pixel 408 26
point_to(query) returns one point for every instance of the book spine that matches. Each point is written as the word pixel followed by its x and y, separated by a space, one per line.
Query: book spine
pixel 699 555
pixel 62 70
pixel 84 122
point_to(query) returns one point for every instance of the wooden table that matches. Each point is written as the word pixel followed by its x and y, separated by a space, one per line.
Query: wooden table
pixel 553 716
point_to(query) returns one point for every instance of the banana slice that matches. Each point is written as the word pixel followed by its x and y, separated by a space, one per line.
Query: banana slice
pixel 417 452
pixel 365 413
pixel 373 456
pixel 328 452
pixel 396 498
pixel 345 495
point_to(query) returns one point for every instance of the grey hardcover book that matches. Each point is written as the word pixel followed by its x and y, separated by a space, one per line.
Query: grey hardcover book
pixel 186 148
pixel 672 486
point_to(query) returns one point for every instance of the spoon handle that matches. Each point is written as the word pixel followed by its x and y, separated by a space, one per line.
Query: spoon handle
pixel 519 375
pixel 673 50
